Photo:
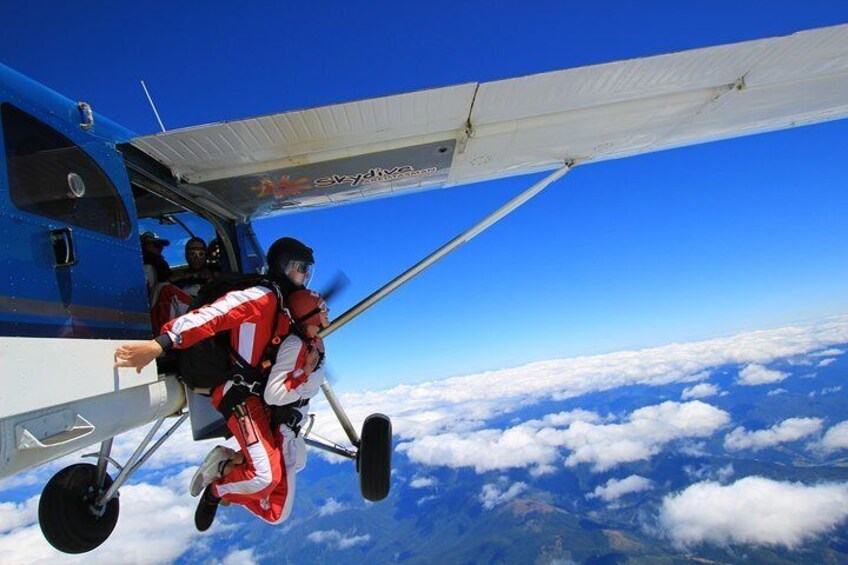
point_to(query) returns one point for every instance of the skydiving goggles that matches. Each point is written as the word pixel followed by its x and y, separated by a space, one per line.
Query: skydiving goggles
pixel 307 269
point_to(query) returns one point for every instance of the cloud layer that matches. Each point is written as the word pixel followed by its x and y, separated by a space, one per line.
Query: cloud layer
pixel 448 423
pixel 754 375
pixel 338 540
pixel 791 429
pixel 463 404
pixel 702 390
pixel 494 495
pixel 615 488
pixel 539 445
pixel 753 510
pixel 836 438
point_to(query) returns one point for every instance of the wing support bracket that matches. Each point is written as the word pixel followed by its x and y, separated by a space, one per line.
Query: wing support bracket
pixel 136 460
pixel 417 269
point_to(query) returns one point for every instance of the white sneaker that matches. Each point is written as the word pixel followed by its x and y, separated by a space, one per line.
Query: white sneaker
pixel 209 470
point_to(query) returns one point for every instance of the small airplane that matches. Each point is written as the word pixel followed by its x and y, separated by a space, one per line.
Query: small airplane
pixel 78 191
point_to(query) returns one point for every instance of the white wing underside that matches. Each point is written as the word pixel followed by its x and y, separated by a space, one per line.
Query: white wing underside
pixel 480 131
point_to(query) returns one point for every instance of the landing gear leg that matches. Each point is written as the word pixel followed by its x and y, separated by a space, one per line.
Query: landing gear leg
pixel 79 506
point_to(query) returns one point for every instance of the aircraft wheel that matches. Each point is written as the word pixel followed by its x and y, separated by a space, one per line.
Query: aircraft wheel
pixel 68 518
pixel 374 459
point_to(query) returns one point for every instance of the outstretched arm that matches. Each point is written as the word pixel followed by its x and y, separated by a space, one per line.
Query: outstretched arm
pixel 227 312
pixel 137 355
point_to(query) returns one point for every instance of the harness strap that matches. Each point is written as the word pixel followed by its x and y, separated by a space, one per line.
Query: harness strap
pixel 288 415
pixel 247 379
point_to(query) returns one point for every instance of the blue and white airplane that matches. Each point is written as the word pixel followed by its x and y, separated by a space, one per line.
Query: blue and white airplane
pixel 76 192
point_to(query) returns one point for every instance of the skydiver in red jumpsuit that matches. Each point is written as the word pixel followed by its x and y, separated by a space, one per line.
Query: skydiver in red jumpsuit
pixel 250 316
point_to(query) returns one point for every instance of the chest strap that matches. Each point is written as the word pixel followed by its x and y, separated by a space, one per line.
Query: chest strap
pixel 288 415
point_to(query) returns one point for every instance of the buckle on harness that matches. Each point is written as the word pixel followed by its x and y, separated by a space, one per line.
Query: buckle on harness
pixel 253 387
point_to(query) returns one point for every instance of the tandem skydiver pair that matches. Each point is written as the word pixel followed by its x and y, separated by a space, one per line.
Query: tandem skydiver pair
pixel 275 359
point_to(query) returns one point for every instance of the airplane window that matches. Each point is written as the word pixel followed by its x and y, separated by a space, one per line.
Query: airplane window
pixel 51 176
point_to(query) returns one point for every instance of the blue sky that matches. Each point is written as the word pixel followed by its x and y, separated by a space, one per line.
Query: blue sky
pixel 673 246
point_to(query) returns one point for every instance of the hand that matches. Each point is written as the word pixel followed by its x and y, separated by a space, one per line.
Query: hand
pixel 137 355
pixel 312 360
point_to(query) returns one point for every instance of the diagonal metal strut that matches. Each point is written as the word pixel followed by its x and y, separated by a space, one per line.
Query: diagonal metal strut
pixel 417 269
pixel 444 250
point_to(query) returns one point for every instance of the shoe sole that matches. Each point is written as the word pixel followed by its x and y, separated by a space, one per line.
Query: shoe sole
pixel 197 483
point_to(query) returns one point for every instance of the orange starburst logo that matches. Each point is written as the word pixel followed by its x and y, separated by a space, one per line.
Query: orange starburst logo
pixel 284 187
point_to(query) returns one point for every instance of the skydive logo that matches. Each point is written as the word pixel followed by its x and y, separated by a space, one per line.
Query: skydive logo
pixel 376 174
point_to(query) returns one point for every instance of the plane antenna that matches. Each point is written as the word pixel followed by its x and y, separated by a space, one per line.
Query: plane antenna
pixel 152 105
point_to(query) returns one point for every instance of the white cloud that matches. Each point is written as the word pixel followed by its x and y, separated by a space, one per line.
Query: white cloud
pixel 13 516
pixel 709 472
pixel 533 444
pixel 423 482
pixel 338 540
pixel 484 450
pixel 492 495
pixel 826 362
pixel 791 429
pixel 753 375
pixel 23 479
pixel 648 430
pixel 568 418
pixel 836 438
pixel 240 557
pixel 702 390
pixel 832 352
pixel 753 510
pixel 425 499
pixel 692 448
pixel 615 488
pixel 332 506
pixel 825 391
pixel 776 391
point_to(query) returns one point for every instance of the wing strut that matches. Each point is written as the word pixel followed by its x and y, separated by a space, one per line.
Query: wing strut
pixel 431 259
pixel 418 268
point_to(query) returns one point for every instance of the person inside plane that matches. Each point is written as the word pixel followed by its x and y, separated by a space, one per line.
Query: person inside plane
pixel 198 271
pixel 166 300
pixel 252 315
pixel 295 377
pixel 156 268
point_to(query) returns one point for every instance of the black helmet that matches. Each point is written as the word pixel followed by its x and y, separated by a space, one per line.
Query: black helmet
pixel 283 251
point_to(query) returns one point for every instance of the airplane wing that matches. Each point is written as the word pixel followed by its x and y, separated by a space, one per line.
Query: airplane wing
pixel 480 131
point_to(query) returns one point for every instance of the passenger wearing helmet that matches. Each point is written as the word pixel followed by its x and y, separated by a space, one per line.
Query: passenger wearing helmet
pixel 250 315
pixel 296 376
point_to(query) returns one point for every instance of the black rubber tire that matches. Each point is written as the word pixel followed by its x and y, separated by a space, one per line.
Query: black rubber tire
pixel 374 459
pixel 65 513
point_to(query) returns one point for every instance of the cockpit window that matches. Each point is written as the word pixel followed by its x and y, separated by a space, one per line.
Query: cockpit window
pixel 51 176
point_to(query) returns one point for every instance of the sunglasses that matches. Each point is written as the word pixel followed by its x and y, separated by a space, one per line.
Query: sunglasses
pixel 301 267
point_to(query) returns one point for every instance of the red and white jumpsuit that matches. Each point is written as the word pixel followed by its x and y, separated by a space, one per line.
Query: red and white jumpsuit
pixel 250 316
pixel 288 383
